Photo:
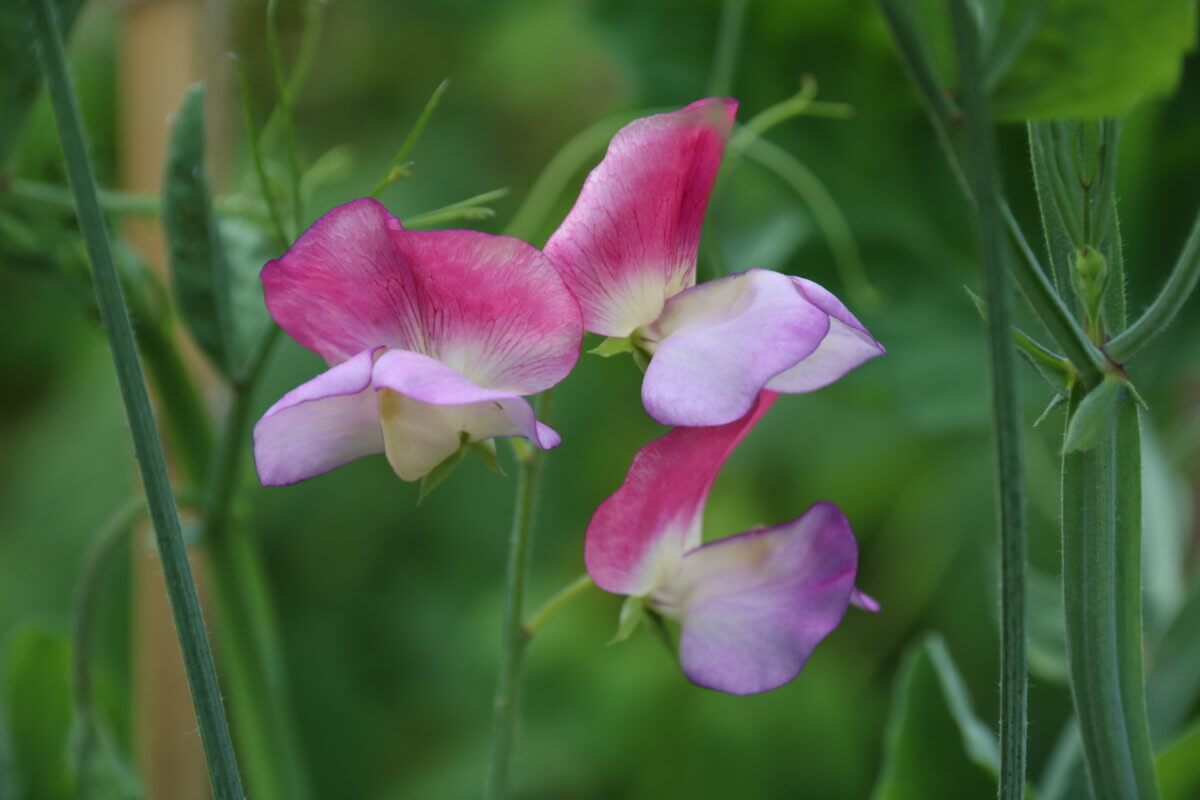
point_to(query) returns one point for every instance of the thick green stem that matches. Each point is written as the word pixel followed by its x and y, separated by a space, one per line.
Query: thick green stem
pixel 185 605
pixel 1101 497
pixel 512 635
pixel 983 177
pixel 1175 292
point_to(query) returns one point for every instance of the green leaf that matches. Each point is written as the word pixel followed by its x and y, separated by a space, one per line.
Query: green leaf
pixel 1047 628
pixel 1095 58
pixel 613 346
pixel 1166 526
pixel 246 248
pixel 1093 416
pixel 442 471
pixel 199 270
pixel 20 78
pixel 1178 767
pixel 934 745
pixel 38 697
pixel 633 613
pixel 1174 680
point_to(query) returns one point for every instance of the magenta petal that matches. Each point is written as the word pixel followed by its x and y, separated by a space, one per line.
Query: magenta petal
pixel 342 287
pixel 322 424
pixel 753 607
pixel 638 535
pixel 847 345
pixel 492 307
pixel 630 241
pixel 717 345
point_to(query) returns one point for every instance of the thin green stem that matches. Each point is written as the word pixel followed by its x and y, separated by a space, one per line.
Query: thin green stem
pixel 398 166
pixel 471 208
pixel 1089 362
pixel 802 103
pixel 285 109
pixel 1175 292
pixel 185 605
pixel 552 606
pixel 983 175
pixel 59 197
pixel 314 14
pixel 100 554
pixel 729 35
pixel 512 637
pixel 260 168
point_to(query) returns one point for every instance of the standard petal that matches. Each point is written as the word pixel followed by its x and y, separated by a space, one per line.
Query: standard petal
pixel 329 421
pixel 717 345
pixel 343 287
pixel 638 535
pixel 426 406
pixel 630 241
pixel 753 607
pixel 492 307
pixel 847 345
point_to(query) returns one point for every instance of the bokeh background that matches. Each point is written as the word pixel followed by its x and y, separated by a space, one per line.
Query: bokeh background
pixel 390 611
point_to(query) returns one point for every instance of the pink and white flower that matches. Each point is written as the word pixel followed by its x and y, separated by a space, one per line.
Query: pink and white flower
pixel 432 338
pixel 752 607
pixel 627 251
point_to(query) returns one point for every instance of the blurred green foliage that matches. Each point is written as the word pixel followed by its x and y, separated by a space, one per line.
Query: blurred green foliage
pixel 390 611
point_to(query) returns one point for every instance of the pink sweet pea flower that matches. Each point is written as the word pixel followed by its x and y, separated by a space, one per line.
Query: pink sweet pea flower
pixel 432 339
pixel 752 607
pixel 627 251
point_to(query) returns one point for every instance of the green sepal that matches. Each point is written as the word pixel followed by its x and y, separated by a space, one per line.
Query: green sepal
pixel 486 450
pixel 641 358
pixel 1093 415
pixel 434 477
pixel 1055 401
pixel 1056 370
pixel 613 346
pixel 633 613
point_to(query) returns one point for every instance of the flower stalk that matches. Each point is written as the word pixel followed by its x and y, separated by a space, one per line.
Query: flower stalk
pixel 181 589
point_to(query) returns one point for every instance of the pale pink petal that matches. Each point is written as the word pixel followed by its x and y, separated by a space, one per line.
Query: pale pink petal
pixel 492 307
pixel 847 345
pixel 325 423
pixel 717 345
pixel 638 535
pixel 752 607
pixel 343 287
pixel 426 406
pixel 631 240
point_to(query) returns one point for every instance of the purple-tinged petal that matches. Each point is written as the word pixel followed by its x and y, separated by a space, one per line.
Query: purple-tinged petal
pixel 717 345
pixel 492 307
pixel 639 534
pixel 860 599
pixel 753 607
pixel 343 288
pixel 630 242
pixel 322 424
pixel 425 407
pixel 847 345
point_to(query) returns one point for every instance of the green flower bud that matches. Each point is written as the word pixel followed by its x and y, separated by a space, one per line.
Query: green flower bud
pixel 1091 279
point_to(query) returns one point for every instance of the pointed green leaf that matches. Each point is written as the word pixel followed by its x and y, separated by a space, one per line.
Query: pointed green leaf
pixel 1055 402
pixel 20 78
pixel 199 270
pixel 1095 58
pixel 1178 767
pixel 633 613
pixel 442 471
pixel 1093 416
pixel 38 698
pixel 935 746
pixel 613 346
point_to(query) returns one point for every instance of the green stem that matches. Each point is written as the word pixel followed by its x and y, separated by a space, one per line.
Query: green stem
pixel 185 605
pixel 1087 360
pixel 512 637
pixel 260 167
pixel 397 168
pixel 471 208
pixel 1175 292
pixel 729 35
pixel 285 109
pixel 984 179
pixel 552 606
pixel 135 205
pixel 103 548
pixel 1101 496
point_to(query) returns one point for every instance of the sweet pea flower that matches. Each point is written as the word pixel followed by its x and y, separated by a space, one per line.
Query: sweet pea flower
pixel 752 607
pixel 432 338
pixel 627 251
